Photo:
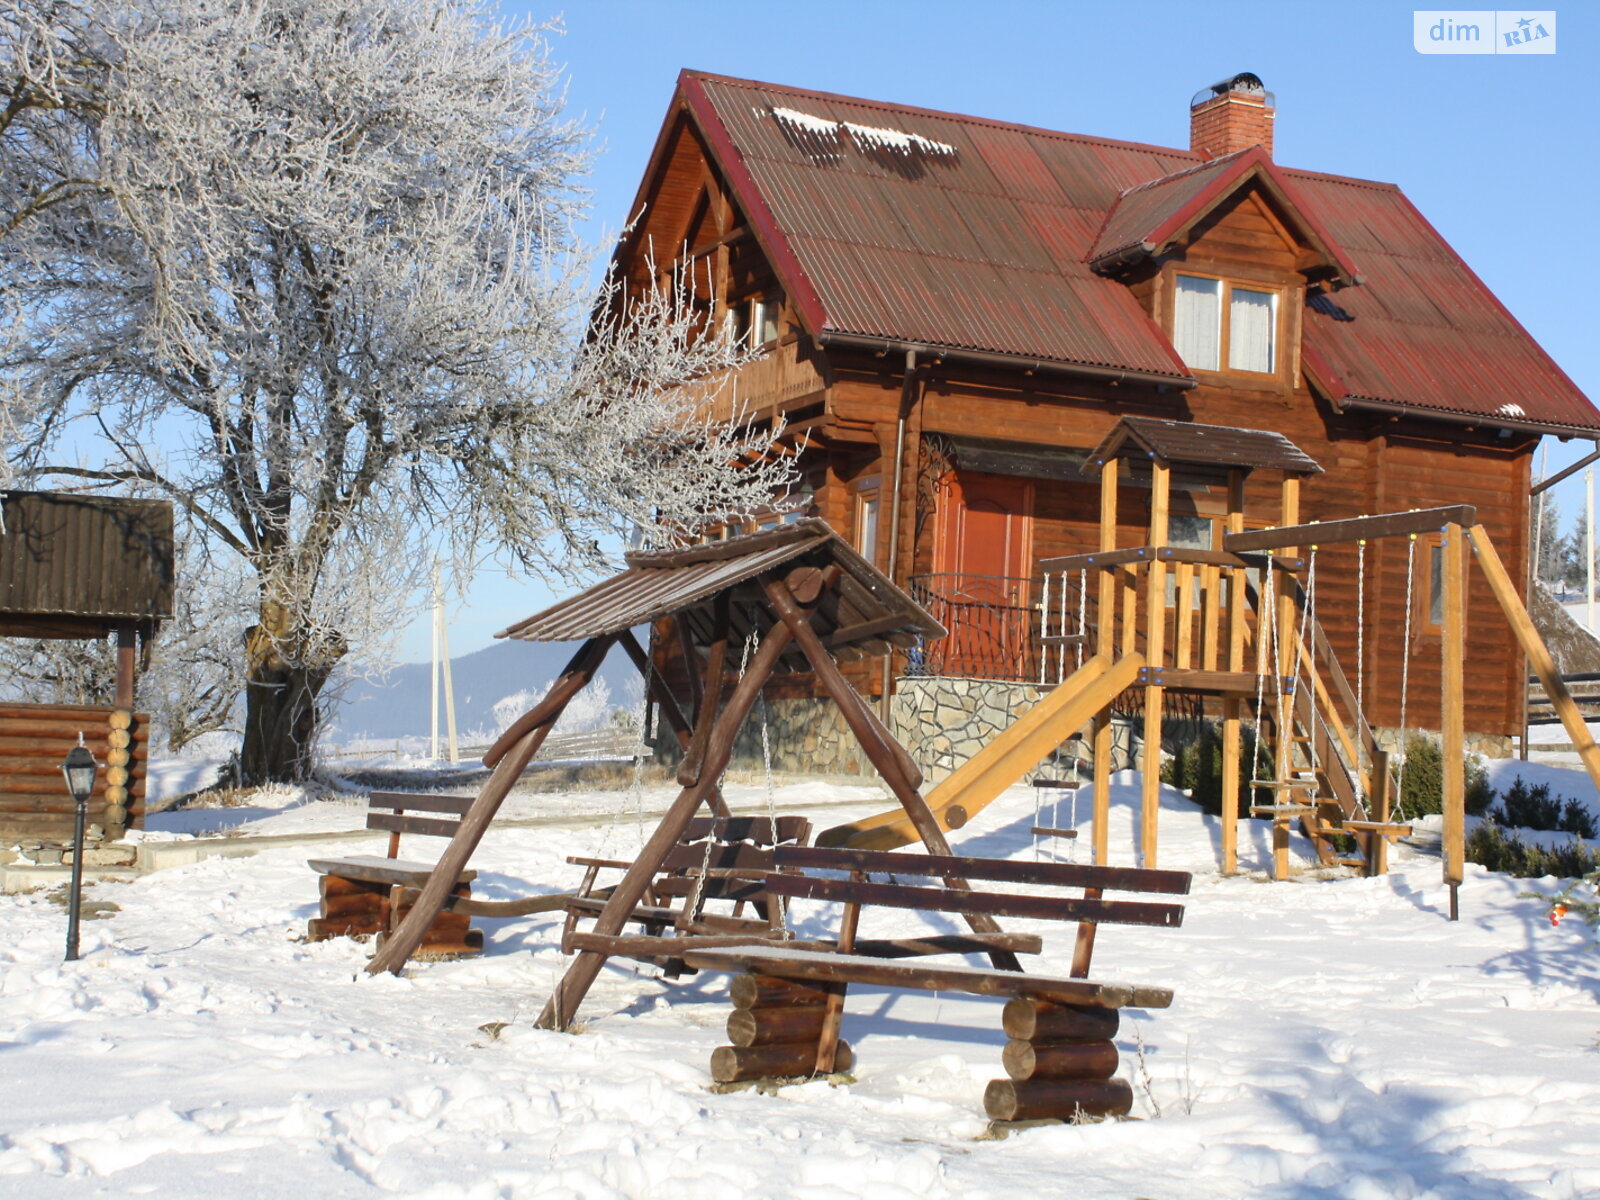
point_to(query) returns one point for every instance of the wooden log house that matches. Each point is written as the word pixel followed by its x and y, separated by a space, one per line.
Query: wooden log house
pixel 954 310
pixel 80 567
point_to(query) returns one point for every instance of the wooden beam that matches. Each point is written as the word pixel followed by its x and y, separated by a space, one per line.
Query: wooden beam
pixel 1452 732
pixel 1285 637
pixel 1538 654
pixel 574 986
pixel 1155 653
pixel 1231 704
pixel 127 644
pixel 1105 647
pixel 656 687
pixel 509 762
pixel 1322 533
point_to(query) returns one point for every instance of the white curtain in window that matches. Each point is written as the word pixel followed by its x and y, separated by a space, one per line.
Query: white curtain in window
pixel 1197 322
pixel 1251 322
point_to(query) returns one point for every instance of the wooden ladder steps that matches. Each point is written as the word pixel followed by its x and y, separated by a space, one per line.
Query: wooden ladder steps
pixel 1360 864
pixel 1047 831
pixel 1283 784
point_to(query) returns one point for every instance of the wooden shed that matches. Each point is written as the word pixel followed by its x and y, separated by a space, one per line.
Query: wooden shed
pixel 80 567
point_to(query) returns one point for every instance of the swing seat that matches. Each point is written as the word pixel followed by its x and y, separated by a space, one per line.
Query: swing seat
pixel 1065 785
pixel 1282 811
pixel 1283 785
pixel 1047 831
pixel 1381 828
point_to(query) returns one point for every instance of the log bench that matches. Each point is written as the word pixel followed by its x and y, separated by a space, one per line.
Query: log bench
pixel 1061 1062
pixel 368 894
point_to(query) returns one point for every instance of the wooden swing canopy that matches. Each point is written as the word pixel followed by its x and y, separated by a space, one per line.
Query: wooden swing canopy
pixel 803 598
pixel 862 614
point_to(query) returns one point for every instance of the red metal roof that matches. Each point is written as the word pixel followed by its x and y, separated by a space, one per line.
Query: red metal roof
pixel 961 233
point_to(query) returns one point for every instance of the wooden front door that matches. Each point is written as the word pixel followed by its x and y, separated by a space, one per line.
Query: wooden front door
pixel 983 571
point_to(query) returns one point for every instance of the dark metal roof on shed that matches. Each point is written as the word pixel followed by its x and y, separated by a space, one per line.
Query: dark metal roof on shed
pixel 1185 443
pixel 914 227
pixel 863 616
pixel 96 557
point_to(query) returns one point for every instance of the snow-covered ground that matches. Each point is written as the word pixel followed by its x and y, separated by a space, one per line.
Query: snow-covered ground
pixel 1330 1037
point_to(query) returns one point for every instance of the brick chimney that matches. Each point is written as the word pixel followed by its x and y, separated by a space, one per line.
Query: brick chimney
pixel 1232 115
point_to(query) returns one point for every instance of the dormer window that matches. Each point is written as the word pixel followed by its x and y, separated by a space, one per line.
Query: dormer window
pixel 1223 326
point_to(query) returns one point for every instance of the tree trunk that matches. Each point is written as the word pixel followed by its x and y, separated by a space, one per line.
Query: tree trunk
pixel 285 676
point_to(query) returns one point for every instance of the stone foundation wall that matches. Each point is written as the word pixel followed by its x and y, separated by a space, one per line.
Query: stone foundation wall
pixel 943 722
pixel 806 737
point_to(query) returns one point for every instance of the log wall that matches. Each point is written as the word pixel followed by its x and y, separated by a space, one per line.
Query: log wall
pixel 35 739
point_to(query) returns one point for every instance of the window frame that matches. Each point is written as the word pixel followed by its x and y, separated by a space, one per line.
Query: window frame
pixel 1227 284
pixel 867 497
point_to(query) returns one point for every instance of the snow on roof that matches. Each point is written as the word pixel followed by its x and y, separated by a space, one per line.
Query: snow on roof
pixel 871 136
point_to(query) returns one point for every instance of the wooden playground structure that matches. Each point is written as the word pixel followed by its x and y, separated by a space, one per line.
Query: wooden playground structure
pixel 1238 625
pixel 1248 635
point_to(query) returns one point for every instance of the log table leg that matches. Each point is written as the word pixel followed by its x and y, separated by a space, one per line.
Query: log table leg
pixel 775 1029
pixel 1061 1064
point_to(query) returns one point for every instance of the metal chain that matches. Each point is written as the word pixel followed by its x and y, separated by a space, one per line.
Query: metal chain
pixel 698 897
pixel 1264 656
pixel 1083 614
pixel 1405 679
pixel 1308 623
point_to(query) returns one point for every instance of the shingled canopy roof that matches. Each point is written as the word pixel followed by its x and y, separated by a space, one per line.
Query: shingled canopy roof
pixel 863 615
pixel 1185 443
pixel 892 225
pixel 77 566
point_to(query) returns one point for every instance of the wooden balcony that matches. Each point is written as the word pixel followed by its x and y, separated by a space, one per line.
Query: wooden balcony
pixel 789 372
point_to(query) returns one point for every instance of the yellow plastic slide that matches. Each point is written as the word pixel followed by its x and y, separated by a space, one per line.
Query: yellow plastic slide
pixel 1014 752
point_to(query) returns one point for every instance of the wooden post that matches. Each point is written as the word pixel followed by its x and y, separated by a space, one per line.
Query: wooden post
pixel 1183 616
pixel 580 976
pixel 1452 732
pixel 1105 646
pixel 126 643
pixel 1231 703
pixel 1155 655
pixel 1283 718
pixel 1378 856
pixel 711 692
pixel 509 757
pixel 656 687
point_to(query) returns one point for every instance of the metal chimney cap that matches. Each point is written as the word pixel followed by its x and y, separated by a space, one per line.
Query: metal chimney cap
pixel 1246 82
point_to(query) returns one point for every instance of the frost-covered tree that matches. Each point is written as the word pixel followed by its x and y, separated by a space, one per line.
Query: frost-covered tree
pixel 307 268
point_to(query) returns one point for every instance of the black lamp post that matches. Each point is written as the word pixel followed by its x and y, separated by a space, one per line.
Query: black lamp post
pixel 80 769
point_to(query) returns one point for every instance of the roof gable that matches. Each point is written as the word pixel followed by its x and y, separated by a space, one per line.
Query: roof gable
pixel 1149 218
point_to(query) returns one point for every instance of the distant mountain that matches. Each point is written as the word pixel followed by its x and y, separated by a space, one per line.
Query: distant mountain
pixel 399 706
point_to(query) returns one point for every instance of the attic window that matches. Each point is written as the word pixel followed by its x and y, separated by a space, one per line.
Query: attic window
pixel 1220 326
pixel 754 322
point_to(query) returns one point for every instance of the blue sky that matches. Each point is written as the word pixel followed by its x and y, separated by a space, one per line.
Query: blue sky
pixel 1497 151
